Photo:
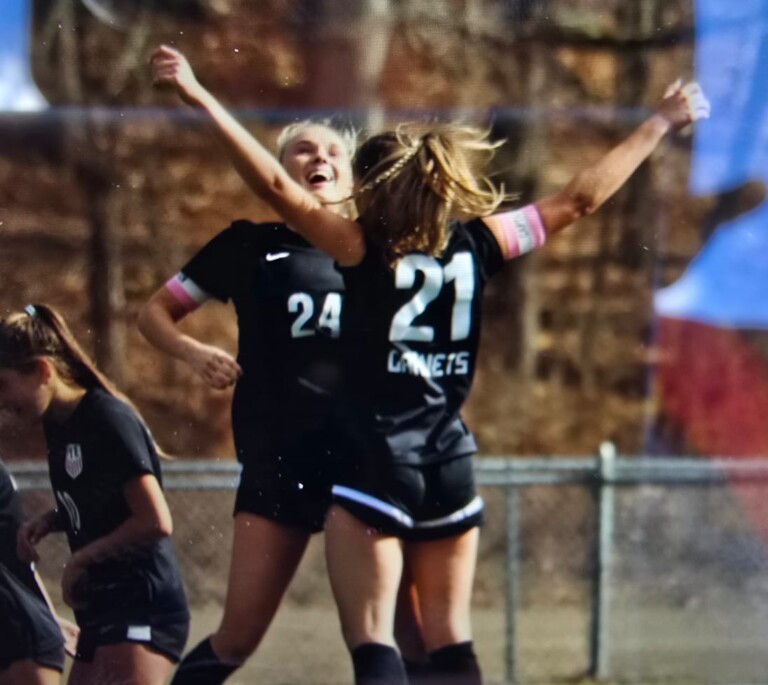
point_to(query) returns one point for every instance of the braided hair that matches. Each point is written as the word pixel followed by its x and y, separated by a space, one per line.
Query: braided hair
pixel 413 182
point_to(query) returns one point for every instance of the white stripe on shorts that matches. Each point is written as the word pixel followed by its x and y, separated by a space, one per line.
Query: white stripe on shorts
pixel 467 511
pixel 474 507
pixel 373 503
pixel 139 633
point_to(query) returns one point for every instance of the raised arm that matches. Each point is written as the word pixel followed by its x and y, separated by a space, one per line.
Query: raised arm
pixel 592 186
pixel 341 238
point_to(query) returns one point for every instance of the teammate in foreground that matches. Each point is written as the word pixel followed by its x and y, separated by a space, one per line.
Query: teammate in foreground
pixel 122 578
pixel 414 265
pixel 31 640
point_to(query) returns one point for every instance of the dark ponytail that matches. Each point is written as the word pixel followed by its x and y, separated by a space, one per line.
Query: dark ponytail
pixel 40 331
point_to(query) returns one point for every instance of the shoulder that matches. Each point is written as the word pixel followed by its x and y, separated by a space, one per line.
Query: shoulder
pixel 246 235
pixel 472 235
pixel 113 424
pixel 475 236
pixel 111 414
pixel 251 233
pixel 471 230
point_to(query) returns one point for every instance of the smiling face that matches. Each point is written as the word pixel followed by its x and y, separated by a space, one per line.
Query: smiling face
pixel 318 158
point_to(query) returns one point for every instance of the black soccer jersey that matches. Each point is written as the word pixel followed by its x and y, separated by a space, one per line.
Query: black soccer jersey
pixel 287 296
pixel 11 517
pixel 28 629
pixel 91 456
pixel 412 334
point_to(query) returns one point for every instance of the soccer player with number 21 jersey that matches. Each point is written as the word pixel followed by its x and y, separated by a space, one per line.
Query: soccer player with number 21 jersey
pixel 428 237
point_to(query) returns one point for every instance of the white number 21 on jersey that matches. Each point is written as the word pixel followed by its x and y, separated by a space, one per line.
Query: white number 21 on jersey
pixel 459 271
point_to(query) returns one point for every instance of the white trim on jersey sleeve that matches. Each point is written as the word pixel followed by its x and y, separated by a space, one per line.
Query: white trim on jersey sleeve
pixel 187 292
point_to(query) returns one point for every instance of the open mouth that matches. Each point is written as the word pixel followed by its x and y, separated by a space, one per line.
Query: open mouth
pixel 319 177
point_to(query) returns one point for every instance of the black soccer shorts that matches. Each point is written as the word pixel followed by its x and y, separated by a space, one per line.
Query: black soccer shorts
pixel 414 502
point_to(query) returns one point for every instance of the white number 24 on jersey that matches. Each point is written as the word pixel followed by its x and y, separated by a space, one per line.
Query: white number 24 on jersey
pixel 303 305
pixel 459 271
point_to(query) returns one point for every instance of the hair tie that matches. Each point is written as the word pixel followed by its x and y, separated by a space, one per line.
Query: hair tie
pixel 31 310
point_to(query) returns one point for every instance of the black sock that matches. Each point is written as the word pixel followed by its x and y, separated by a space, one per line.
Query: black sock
pixel 202 667
pixel 454 665
pixel 377 664
pixel 417 671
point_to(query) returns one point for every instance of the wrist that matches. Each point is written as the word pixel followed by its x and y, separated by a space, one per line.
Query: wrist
pixel 52 520
pixel 193 351
pixel 78 560
pixel 659 124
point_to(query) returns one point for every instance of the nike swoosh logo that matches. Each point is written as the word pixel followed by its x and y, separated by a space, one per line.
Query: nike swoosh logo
pixel 272 256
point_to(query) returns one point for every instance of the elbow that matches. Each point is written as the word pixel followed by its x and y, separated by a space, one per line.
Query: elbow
pixel 156 527
pixel 163 527
pixel 579 206
pixel 143 321
pixel 585 206
pixel 583 198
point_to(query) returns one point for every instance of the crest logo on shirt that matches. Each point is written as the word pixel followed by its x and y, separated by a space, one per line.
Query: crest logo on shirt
pixel 73 460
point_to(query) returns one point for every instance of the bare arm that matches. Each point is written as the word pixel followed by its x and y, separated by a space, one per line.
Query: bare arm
pixel 158 322
pixel 339 237
pixel 592 186
pixel 31 532
pixel 149 521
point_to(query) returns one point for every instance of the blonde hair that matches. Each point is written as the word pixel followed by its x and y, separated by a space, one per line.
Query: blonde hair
pixel 414 181
pixel 347 134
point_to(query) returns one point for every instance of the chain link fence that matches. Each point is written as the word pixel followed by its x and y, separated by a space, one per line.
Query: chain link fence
pixel 617 568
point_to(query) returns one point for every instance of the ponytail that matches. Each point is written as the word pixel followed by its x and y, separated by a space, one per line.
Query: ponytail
pixel 40 331
pixel 413 183
pixel 76 363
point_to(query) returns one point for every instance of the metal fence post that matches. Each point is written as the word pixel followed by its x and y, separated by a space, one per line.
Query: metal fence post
pixel 512 579
pixel 600 646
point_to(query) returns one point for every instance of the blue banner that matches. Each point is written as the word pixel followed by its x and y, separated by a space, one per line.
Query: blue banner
pixel 726 284
pixel 17 89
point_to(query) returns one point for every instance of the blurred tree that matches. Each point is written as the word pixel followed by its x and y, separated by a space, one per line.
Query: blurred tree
pixel 86 143
pixel 346 47
pixel 630 222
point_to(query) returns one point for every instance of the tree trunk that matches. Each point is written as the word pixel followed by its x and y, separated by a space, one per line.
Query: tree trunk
pixel 633 213
pixel 347 46
pixel 88 152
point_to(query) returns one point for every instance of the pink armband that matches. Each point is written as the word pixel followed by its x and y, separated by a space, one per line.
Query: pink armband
pixel 523 231
pixel 187 292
